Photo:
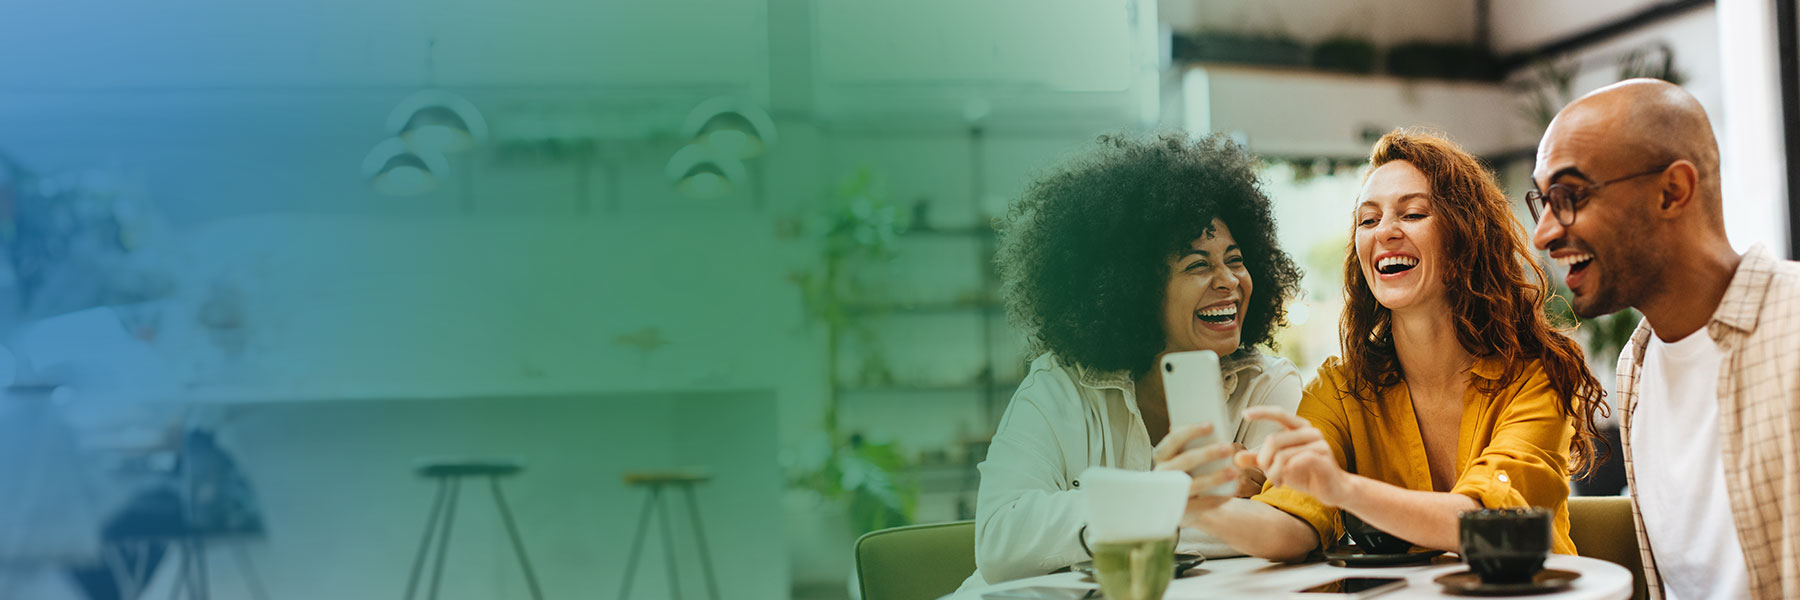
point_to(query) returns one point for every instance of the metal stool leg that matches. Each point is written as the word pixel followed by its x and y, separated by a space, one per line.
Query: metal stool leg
pixel 669 551
pixel 512 529
pixel 431 525
pixel 443 549
pixel 637 543
pixel 712 585
pixel 247 572
pixel 203 576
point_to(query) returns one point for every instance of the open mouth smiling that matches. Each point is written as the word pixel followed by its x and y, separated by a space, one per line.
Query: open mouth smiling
pixel 1396 264
pixel 1219 316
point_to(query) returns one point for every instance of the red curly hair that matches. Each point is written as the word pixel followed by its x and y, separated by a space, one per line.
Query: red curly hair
pixel 1497 310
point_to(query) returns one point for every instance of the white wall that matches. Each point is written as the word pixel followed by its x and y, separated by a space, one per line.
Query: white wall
pixel 1385 22
pixel 186 44
pixel 1320 114
pixel 1520 25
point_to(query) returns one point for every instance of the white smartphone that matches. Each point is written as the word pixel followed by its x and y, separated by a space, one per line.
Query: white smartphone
pixel 1196 394
pixel 1351 588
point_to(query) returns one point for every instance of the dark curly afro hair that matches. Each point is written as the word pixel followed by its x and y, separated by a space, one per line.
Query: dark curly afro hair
pixel 1084 252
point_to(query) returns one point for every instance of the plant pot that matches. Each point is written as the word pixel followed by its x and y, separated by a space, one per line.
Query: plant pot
pixel 1442 61
pixel 1240 49
pixel 1345 55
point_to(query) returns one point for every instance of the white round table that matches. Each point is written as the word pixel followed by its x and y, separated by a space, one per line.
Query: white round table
pixel 1258 578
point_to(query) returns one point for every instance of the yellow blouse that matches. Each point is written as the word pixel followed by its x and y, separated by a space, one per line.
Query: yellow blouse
pixel 1513 450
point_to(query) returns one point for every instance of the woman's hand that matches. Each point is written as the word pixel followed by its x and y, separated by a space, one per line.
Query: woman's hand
pixel 1250 479
pixel 1174 455
pixel 1298 457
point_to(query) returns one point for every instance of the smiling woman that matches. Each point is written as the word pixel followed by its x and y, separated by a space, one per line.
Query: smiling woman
pixel 1453 391
pixel 1139 247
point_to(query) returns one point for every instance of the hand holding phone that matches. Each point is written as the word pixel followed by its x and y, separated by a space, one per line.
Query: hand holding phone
pixel 1195 394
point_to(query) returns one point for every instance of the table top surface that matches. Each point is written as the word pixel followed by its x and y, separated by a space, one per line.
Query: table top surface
pixel 1258 578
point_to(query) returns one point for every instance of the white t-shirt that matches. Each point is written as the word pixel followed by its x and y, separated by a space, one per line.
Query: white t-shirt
pixel 1681 473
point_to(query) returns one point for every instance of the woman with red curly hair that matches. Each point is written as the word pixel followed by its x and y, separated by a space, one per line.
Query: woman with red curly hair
pixel 1454 392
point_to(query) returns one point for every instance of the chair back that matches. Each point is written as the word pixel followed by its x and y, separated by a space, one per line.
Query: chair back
pixel 1601 527
pixel 916 562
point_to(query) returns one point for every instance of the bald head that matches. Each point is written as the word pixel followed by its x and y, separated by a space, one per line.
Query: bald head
pixel 1634 125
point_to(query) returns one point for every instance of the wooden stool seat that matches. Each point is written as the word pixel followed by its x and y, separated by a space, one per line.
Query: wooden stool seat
pixel 470 469
pixel 687 476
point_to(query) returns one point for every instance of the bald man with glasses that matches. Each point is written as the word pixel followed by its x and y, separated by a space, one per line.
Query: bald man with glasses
pixel 1628 204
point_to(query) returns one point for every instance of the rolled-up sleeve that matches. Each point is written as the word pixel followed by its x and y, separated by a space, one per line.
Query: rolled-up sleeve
pixel 1027 516
pixel 1526 461
pixel 1320 406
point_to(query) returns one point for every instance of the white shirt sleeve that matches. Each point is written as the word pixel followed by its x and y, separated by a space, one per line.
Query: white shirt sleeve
pixel 1027 514
pixel 1278 386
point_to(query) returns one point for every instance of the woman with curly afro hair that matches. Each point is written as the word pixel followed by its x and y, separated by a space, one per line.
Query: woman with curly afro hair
pixel 1137 248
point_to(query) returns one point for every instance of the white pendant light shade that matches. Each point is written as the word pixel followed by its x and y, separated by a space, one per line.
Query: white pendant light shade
pixel 701 174
pixel 396 170
pixel 731 127
pixel 436 121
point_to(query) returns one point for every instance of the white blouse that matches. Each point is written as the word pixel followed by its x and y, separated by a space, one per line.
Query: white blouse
pixel 1064 419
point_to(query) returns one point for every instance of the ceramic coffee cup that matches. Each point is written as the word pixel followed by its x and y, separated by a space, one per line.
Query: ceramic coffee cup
pixel 1506 545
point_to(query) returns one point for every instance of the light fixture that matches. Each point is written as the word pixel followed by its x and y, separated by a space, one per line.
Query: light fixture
pixel 731 127
pixel 700 173
pixel 436 121
pixel 397 170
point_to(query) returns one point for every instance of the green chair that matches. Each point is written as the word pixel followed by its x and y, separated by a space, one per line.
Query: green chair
pixel 918 562
pixel 1601 527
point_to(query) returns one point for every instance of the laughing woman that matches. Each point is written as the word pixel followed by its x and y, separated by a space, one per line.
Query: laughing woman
pixel 1138 248
pixel 1453 392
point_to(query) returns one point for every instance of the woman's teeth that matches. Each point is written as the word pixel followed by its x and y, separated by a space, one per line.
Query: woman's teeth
pixel 1395 264
pixel 1571 260
pixel 1222 314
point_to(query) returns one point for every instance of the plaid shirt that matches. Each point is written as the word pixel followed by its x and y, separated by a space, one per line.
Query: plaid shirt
pixel 1757 326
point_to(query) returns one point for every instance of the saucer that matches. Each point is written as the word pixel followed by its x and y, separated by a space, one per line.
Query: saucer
pixel 1183 562
pixel 1352 557
pixel 1468 584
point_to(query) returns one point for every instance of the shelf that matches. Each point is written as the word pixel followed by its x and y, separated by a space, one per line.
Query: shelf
pixel 998 386
pixel 974 231
pixel 946 478
pixel 917 308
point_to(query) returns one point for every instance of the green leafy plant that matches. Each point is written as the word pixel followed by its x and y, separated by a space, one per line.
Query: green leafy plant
pixel 1606 335
pixel 858 228
pixel 1550 86
pixel 1655 62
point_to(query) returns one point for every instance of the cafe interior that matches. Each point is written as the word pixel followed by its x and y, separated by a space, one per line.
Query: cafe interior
pixel 694 294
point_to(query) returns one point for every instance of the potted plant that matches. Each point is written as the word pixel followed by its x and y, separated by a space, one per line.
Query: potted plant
pixel 873 481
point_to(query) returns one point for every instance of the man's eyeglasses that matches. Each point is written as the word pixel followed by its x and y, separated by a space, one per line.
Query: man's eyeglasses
pixel 1562 199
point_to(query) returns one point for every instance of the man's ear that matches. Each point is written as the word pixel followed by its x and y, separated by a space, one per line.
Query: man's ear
pixel 1677 188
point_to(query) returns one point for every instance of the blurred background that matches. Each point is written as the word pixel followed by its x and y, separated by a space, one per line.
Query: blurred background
pixel 705 286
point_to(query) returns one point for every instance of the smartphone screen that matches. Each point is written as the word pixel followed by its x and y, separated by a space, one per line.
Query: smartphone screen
pixel 1361 587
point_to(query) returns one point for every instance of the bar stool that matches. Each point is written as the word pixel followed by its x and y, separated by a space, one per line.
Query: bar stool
pixel 656 481
pixel 449 476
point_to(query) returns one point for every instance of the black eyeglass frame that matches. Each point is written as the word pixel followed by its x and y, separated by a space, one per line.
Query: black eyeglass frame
pixel 1577 196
